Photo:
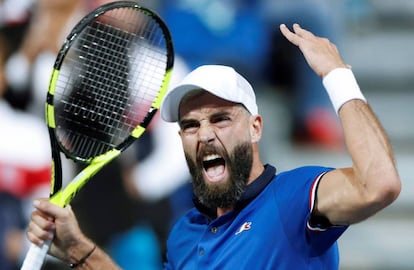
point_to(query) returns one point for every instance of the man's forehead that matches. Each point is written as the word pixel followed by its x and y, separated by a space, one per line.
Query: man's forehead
pixel 203 100
pixel 200 94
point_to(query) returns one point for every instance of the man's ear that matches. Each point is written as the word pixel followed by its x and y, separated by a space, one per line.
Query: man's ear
pixel 256 127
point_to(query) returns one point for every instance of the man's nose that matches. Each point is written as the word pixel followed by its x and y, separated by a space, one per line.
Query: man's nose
pixel 206 133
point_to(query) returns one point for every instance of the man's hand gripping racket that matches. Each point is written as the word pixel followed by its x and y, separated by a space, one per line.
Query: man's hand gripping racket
pixel 108 82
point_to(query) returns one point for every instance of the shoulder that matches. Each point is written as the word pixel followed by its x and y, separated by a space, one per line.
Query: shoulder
pixel 305 171
pixel 288 184
pixel 190 218
pixel 185 230
pixel 301 174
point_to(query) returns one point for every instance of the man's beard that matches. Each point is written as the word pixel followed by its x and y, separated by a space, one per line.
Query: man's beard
pixel 226 194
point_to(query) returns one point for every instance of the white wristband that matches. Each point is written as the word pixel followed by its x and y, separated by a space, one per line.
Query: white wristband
pixel 342 87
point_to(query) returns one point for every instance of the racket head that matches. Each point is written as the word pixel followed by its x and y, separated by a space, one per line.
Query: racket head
pixel 108 80
pixel 107 84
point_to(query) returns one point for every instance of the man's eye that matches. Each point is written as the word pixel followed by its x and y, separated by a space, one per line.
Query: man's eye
pixel 220 119
pixel 189 126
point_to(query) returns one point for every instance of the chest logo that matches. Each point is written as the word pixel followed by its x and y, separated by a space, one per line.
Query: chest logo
pixel 245 227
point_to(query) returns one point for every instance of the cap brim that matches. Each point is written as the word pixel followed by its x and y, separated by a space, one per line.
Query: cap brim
pixel 171 103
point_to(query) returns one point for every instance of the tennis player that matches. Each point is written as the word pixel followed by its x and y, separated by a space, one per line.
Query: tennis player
pixel 247 215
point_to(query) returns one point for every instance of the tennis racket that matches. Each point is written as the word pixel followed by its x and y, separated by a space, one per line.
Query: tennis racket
pixel 107 84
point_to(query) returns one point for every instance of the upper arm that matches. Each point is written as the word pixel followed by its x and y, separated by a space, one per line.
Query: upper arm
pixel 344 199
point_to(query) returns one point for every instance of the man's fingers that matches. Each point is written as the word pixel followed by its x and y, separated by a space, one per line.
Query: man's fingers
pixel 298 35
pixel 42 226
pixel 42 220
pixel 302 32
pixel 292 37
pixel 40 229
pixel 43 205
pixel 37 238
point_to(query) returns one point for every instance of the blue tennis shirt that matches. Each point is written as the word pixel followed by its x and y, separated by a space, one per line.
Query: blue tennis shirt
pixel 268 229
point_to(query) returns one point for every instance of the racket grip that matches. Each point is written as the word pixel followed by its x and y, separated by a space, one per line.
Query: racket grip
pixel 35 256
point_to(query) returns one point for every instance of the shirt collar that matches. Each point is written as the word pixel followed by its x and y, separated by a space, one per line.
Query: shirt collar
pixel 251 192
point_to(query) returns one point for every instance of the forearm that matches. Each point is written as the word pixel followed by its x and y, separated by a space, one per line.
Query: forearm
pixel 369 148
pixel 365 138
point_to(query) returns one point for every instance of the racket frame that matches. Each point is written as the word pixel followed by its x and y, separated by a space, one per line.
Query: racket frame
pixel 35 256
pixel 63 197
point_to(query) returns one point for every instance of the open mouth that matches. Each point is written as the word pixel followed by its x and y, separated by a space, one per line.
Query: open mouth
pixel 214 167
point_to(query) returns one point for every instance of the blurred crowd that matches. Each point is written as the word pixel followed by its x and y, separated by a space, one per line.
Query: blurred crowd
pixel 145 190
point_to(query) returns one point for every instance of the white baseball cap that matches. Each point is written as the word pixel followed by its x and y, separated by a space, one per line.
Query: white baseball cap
pixel 221 81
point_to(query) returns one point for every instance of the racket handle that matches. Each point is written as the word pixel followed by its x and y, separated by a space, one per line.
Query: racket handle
pixel 35 256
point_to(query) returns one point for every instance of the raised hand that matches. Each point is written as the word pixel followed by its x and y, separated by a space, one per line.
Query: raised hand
pixel 320 53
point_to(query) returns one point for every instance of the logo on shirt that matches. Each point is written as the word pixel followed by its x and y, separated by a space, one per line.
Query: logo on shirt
pixel 245 227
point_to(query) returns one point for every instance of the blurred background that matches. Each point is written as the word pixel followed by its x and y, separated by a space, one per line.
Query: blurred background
pixel 375 37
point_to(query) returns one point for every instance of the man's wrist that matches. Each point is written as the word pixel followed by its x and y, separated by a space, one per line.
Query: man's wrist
pixel 342 87
pixel 80 252
pixel 83 259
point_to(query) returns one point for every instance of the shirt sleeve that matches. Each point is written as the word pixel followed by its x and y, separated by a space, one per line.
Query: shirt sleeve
pixel 295 198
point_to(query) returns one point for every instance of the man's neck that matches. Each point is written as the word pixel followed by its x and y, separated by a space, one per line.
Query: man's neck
pixel 222 211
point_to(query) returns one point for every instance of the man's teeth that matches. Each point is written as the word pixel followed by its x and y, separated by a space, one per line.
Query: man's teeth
pixel 211 157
